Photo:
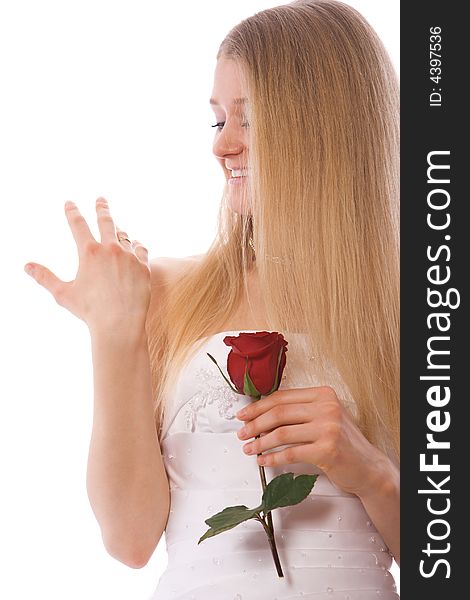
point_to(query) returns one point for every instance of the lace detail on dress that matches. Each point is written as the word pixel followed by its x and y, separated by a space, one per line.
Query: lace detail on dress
pixel 204 402
pixel 212 389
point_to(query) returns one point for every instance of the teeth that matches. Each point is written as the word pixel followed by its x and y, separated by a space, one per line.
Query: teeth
pixel 241 173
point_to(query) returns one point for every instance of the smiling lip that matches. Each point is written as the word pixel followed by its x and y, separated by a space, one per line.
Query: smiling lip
pixel 236 180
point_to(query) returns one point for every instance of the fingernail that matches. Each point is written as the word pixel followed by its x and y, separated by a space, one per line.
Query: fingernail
pixel 242 433
pixel 29 269
pixel 240 413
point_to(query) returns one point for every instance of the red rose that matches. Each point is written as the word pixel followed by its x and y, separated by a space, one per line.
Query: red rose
pixel 261 356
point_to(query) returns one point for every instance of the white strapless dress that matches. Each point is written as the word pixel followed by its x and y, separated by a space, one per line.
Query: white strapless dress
pixel 328 547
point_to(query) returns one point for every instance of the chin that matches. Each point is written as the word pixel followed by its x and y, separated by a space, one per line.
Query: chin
pixel 237 206
pixel 238 202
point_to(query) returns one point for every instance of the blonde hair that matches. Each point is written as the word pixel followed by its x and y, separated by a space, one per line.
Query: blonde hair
pixel 324 184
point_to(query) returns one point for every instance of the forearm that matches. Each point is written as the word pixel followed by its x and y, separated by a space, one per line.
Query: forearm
pixel 126 480
pixel 382 503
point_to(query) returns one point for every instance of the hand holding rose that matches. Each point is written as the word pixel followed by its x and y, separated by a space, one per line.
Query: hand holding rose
pixel 323 432
pixel 314 425
pixel 317 429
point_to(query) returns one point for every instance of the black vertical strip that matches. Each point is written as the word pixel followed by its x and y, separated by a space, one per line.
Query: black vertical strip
pixel 434 291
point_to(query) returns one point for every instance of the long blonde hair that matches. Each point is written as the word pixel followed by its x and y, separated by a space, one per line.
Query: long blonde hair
pixel 324 183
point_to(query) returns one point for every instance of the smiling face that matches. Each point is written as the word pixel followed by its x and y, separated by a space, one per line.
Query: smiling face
pixel 229 103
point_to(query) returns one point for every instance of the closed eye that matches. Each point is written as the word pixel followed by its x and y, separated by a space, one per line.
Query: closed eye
pixel 222 123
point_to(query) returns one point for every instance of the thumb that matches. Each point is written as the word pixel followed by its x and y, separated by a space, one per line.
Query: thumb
pixel 45 277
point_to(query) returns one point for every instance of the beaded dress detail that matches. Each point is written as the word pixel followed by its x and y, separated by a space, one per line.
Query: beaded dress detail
pixel 328 547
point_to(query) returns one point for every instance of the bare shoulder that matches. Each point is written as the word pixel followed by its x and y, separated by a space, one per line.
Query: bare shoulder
pixel 164 269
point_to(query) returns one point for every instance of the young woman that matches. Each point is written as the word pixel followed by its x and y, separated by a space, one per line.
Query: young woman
pixel 306 107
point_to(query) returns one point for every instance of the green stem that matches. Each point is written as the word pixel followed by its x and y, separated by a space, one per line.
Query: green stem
pixel 272 543
pixel 269 518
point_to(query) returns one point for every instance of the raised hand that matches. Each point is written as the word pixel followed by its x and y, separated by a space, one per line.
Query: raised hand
pixel 112 285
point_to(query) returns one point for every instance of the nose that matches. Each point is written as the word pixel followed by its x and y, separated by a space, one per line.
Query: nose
pixel 230 140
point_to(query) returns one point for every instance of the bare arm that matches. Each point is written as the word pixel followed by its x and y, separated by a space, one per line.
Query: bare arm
pixel 113 294
pixel 126 479
pixel 382 503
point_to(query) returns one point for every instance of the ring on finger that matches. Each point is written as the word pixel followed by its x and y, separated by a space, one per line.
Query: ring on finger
pixel 122 236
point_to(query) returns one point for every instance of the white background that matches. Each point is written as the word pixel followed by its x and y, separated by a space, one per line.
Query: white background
pixel 98 98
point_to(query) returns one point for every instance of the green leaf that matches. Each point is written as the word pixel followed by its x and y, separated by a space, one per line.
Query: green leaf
pixel 248 386
pixel 284 490
pixel 230 384
pixel 228 518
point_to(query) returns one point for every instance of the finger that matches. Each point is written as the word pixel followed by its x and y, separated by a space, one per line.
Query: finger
pixel 288 396
pixel 290 434
pixel 105 222
pixel 123 238
pixel 141 252
pixel 46 278
pixel 281 414
pixel 298 453
pixel 80 230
